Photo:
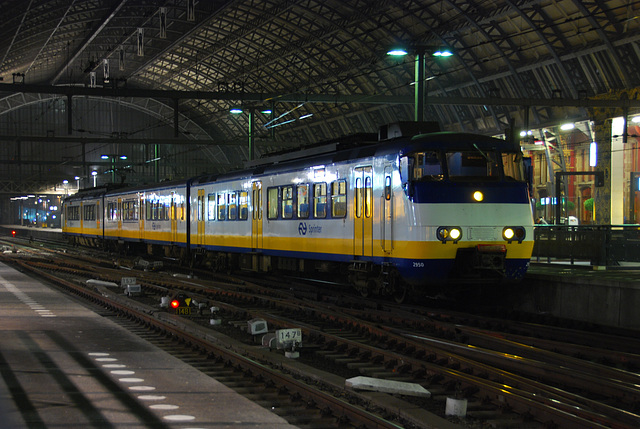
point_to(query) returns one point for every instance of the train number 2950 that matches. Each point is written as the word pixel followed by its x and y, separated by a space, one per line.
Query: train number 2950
pixel 418 265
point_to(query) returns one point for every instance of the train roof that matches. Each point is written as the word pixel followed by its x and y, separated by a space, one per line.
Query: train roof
pixel 335 152
pixel 157 186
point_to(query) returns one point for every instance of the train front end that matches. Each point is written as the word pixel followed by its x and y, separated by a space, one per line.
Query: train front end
pixel 467 210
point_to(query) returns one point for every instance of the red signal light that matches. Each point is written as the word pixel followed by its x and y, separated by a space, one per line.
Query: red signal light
pixel 175 303
pixel 13 233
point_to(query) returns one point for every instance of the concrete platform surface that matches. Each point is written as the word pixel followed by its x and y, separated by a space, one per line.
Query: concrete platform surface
pixel 64 366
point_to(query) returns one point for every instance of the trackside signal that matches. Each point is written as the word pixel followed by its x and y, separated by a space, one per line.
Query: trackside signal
pixel 181 305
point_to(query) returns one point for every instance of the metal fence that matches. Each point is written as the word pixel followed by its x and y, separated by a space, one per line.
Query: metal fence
pixel 603 245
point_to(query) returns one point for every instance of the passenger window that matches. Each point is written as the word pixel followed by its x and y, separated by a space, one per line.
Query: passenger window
pixel 320 200
pixel 222 206
pixel 287 202
pixel 211 207
pixel 244 205
pixel 272 203
pixel 303 201
pixel 339 198
pixel 233 205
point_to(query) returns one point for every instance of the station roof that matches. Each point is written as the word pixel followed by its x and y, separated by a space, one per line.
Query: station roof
pixel 81 78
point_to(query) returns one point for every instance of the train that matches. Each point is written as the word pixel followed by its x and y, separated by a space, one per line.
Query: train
pixel 407 214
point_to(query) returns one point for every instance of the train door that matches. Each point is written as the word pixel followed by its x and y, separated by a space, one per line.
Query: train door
pixel 256 215
pixel 174 218
pixel 200 217
pixel 363 216
pixel 387 211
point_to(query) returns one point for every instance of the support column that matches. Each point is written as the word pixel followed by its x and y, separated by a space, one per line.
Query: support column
pixel 251 148
pixel 69 116
pixel 419 87
pixel 176 131
pixel 618 129
pixel 602 195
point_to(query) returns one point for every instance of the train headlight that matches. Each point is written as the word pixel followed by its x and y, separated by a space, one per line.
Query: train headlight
pixel 508 233
pixel 478 196
pixel 511 233
pixel 449 233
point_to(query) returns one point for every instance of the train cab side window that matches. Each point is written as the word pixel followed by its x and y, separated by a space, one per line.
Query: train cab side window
pixel 513 166
pixel 339 198
pixel 233 205
pixel 303 201
pixel 287 202
pixel 320 200
pixel 272 203
pixel 427 166
pixel 222 206
pixel 211 206
pixel 244 205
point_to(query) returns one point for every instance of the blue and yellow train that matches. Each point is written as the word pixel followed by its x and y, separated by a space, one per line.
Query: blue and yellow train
pixel 408 213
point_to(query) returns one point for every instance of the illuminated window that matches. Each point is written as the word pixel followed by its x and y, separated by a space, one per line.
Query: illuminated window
pixel 211 207
pixel 339 198
pixel 233 205
pixel 320 200
pixel 303 201
pixel 222 206
pixel 287 202
pixel 244 205
pixel 272 203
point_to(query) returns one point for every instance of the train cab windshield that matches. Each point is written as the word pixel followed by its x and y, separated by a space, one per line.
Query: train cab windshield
pixel 462 165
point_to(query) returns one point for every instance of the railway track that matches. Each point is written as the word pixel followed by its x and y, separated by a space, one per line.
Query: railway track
pixel 508 379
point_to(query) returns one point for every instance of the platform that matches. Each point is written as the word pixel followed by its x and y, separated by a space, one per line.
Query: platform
pixel 62 365
pixel 581 292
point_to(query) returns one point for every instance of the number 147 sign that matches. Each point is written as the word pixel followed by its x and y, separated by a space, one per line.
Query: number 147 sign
pixel 288 337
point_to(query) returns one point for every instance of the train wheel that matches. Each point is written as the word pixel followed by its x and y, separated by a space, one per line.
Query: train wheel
pixel 364 292
pixel 400 293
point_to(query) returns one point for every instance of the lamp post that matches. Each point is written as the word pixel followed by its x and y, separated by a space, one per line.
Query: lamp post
pixel 95 175
pixel 419 72
pixel 250 131
pixel 113 158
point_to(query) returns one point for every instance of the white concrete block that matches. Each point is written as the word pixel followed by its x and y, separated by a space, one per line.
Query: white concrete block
pixel 387 386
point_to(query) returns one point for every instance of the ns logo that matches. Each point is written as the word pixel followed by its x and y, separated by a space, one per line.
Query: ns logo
pixel 302 228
